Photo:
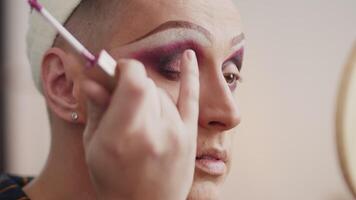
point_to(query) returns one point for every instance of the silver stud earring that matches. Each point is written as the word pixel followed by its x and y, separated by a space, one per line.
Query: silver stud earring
pixel 75 116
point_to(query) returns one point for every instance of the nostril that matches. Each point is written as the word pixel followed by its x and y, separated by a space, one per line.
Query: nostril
pixel 216 124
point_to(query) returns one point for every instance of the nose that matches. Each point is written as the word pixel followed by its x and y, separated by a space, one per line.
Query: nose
pixel 218 108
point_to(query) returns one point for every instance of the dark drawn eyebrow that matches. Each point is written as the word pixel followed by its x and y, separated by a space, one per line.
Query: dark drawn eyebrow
pixel 187 25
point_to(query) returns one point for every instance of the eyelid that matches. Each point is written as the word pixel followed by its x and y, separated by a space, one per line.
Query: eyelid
pixel 237 54
pixel 239 46
pixel 241 79
pixel 238 73
pixel 163 55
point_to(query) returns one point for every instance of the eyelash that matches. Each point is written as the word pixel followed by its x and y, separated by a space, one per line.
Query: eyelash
pixel 167 67
pixel 171 75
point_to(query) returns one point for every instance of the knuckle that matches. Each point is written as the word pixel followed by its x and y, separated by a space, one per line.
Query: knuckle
pixel 176 142
pixel 135 87
pixel 134 79
pixel 155 151
pixel 123 63
pixel 112 149
pixel 133 66
pixel 149 147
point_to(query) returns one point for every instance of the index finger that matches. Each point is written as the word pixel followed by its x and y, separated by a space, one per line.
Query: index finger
pixel 188 101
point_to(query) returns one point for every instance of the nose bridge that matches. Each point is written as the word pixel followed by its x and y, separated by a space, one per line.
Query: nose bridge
pixel 218 108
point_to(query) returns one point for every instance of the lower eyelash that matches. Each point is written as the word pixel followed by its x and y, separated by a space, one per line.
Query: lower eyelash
pixel 170 67
pixel 170 75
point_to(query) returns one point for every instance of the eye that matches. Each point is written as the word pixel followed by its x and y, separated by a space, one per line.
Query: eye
pixel 170 73
pixel 165 60
pixel 231 78
pixel 231 75
pixel 169 68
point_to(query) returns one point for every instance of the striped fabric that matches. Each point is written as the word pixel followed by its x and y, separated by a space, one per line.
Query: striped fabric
pixel 11 187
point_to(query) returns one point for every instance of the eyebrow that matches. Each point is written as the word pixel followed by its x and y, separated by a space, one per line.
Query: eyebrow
pixel 237 39
pixel 187 25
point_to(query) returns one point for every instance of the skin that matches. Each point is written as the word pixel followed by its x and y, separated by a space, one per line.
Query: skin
pixel 68 174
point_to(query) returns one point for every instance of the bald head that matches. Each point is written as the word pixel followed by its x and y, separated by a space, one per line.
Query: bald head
pixel 95 22
pixel 90 23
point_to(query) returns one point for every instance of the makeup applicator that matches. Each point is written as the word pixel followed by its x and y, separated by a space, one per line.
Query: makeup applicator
pixel 103 60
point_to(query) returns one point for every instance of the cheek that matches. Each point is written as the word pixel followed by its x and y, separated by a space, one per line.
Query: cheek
pixel 229 145
pixel 171 87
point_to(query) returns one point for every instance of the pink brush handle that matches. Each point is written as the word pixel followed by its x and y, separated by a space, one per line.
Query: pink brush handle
pixel 35 5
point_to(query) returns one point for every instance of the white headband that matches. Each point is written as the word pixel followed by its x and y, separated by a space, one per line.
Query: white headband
pixel 41 34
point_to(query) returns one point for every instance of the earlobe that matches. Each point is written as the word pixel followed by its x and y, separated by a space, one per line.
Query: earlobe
pixel 58 72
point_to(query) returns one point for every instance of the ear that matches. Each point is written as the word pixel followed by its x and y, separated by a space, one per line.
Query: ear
pixel 58 71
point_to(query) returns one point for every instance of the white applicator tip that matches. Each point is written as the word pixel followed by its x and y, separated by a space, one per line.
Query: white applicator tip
pixel 107 63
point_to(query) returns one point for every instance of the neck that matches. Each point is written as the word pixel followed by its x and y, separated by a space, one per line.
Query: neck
pixel 65 175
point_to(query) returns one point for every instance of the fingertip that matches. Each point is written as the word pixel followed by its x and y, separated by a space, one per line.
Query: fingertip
pixel 131 70
pixel 190 66
pixel 131 64
pixel 190 54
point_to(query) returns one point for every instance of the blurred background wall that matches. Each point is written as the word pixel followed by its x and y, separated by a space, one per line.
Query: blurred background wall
pixel 285 148
pixel 2 91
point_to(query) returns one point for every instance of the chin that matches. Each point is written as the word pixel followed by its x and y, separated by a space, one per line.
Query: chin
pixel 206 187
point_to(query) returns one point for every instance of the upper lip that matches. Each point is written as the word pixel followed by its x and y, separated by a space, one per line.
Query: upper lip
pixel 213 153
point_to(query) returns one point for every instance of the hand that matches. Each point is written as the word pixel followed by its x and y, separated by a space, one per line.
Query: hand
pixel 138 143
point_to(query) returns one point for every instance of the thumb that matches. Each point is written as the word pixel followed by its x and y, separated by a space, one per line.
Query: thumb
pixel 97 98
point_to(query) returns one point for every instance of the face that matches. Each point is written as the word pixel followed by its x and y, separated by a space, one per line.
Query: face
pixel 157 33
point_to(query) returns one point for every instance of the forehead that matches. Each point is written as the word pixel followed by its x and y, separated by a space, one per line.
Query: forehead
pixel 134 18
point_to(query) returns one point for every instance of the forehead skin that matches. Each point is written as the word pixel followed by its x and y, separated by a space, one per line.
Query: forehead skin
pixel 107 24
pixel 137 17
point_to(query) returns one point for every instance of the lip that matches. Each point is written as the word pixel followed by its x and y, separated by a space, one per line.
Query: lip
pixel 212 162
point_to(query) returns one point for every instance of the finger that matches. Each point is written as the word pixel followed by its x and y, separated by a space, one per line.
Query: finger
pixel 132 79
pixel 128 99
pixel 167 106
pixel 188 101
pixel 156 108
pixel 97 98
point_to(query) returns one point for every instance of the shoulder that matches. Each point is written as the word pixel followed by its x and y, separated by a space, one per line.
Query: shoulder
pixel 11 187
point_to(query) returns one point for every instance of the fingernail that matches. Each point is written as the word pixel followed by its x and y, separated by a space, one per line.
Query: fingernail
pixel 190 54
